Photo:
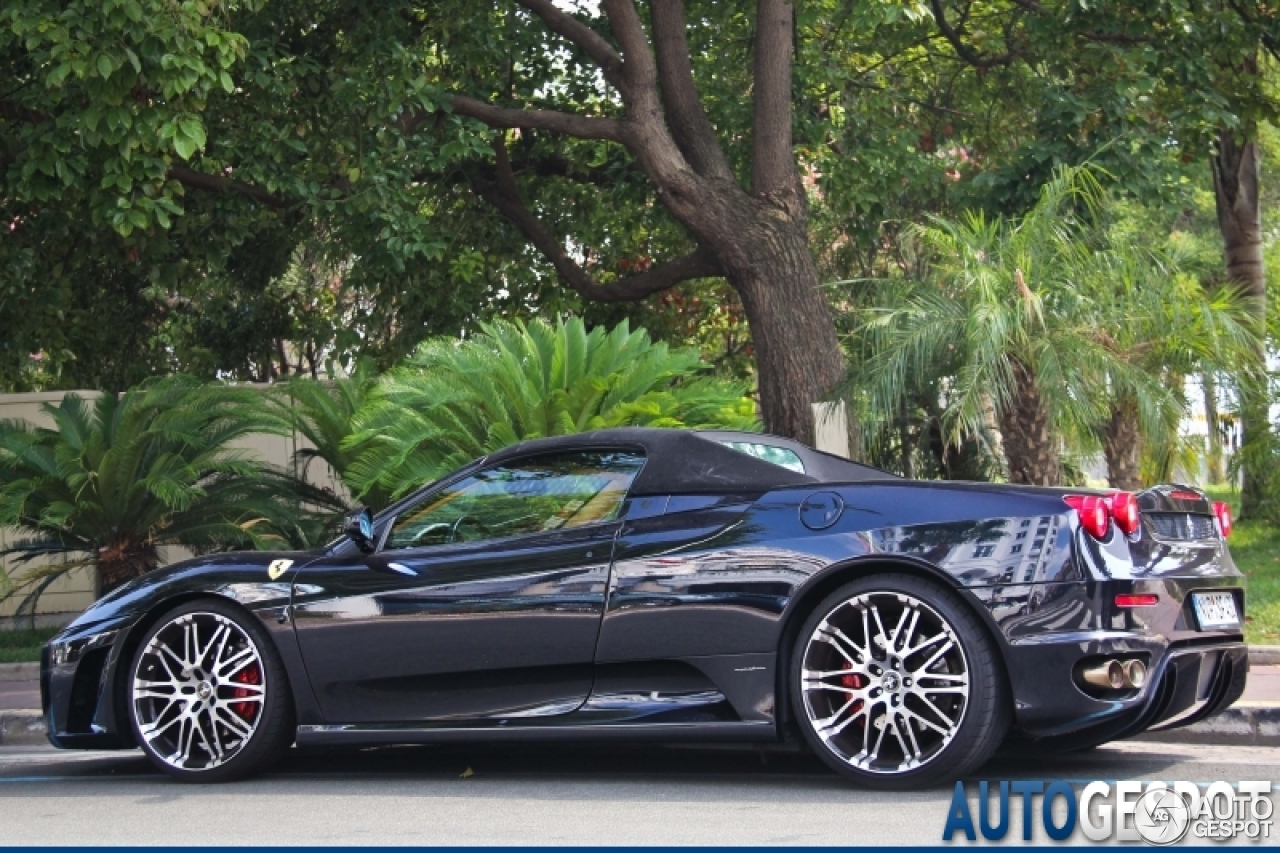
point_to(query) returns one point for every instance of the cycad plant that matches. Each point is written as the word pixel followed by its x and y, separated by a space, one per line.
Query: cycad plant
pixel 117 479
pixel 324 413
pixel 456 400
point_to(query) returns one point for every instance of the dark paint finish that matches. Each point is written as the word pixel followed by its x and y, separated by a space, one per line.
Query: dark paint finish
pixel 674 620
pixel 126 613
pixel 461 631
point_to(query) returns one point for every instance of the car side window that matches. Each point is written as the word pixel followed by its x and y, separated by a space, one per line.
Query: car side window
pixel 542 493
pixel 781 456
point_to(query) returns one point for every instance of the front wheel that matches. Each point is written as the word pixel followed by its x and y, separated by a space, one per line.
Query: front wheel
pixel 896 684
pixel 208 696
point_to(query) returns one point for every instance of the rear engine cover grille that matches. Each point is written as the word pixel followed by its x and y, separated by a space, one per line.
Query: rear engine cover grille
pixel 1181 525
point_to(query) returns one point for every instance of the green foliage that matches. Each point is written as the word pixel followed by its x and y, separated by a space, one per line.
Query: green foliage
pixel 325 414
pixel 454 401
pixel 996 293
pixel 1094 321
pixel 118 479
pixel 1255 548
pixel 23 646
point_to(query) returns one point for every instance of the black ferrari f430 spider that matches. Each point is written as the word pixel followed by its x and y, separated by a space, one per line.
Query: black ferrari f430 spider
pixel 677 585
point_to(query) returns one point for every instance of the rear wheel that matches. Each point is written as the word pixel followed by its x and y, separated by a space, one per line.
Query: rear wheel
pixel 208 696
pixel 896 685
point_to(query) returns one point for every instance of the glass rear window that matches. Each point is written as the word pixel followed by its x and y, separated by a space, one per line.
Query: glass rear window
pixel 780 456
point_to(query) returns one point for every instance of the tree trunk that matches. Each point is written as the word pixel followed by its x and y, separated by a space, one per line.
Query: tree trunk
pixel 1030 447
pixel 798 356
pixel 1122 445
pixel 119 564
pixel 1236 181
pixel 1213 435
pixel 757 238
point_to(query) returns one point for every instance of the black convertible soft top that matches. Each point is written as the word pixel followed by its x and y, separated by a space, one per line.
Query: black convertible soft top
pixel 681 461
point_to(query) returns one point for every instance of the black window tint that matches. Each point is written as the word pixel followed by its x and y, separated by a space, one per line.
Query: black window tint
pixel 549 492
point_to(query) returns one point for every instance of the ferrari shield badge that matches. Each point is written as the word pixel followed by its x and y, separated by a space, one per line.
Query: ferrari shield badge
pixel 278 567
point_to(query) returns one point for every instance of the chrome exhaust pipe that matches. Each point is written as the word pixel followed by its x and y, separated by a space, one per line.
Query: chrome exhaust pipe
pixel 1135 673
pixel 1109 675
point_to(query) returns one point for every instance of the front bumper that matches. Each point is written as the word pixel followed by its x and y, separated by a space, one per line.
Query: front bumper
pixel 77 670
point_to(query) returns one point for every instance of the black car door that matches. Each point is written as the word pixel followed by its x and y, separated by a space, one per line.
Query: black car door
pixel 484 600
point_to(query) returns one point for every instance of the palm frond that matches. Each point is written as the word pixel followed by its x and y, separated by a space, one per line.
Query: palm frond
pixel 454 401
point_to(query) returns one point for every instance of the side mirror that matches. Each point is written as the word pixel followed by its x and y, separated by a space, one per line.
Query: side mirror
pixel 358 527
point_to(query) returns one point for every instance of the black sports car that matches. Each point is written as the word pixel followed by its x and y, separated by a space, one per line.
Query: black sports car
pixel 674 584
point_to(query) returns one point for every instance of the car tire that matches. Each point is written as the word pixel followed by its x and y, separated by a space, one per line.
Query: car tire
pixel 208 697
pixel 896 684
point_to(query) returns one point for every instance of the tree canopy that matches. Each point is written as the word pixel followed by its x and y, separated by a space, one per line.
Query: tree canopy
pixel 223 176
pixel 249 190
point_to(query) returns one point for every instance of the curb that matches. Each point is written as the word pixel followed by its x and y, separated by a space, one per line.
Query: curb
pixel 1264 656
pixel 20 671
pixel 22 728
pixel 1255 724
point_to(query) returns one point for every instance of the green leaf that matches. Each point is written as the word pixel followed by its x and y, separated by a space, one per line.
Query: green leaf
pixel 193 129
pixel 185 146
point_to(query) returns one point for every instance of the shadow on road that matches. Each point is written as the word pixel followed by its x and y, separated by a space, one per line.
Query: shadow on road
pixel 585 763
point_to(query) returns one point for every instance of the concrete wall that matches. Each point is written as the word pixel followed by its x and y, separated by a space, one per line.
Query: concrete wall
pixel 74 592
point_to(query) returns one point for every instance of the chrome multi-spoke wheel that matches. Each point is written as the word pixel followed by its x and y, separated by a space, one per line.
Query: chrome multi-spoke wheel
pixel 885 682
pixel 208 694
pixel 198 689
pixel 889 676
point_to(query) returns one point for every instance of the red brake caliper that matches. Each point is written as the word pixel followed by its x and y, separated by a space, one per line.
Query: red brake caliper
pixel 854 681
pixel 248 675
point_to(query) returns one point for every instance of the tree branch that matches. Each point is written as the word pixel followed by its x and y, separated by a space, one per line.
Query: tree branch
pixel 505 196
pixel 637 66
pixel 581 127
pixel 558 166
pixel 773 165
pixel 589 40
pixel 963 50
pixel 221 184
pixel 13 111
pixel 689 125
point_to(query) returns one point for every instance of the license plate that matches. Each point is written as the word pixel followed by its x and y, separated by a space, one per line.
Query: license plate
pixel 1215 610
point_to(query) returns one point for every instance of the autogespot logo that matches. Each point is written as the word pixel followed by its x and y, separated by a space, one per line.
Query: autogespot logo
pixel 1155 812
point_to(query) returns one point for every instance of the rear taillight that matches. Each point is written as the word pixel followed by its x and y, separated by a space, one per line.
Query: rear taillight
pixel 1095 515
pixel 1223 512
pixel 1137 600
pixel 1124 509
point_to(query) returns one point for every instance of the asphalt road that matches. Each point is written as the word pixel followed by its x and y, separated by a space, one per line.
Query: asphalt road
pixel 545 796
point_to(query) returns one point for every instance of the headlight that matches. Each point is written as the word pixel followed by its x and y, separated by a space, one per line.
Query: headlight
pixel 70 651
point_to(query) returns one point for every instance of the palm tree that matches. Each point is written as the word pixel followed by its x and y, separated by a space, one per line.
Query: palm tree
pixel 1158 324
pixel 454 401
pixel 1000 321
pixel 116 480
pixel 1049 331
